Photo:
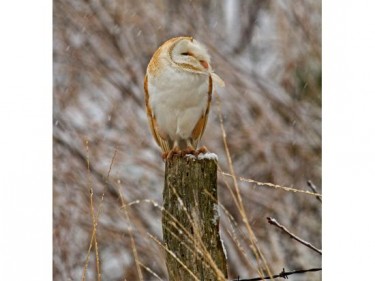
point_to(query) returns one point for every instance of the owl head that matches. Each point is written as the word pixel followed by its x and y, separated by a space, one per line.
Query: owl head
pixel 183 54
pixel 190 55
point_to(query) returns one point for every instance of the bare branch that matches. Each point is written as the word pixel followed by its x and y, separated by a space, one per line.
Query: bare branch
pixel 283 228
pixel 313 188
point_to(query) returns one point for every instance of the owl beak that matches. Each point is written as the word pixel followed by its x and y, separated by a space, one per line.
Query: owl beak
pixel 204 64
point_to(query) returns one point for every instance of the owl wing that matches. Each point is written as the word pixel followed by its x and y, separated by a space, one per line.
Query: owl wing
pixel 152 121
pixel 201 124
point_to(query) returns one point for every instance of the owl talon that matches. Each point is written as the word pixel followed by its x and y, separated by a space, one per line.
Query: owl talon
pixel 174 151
pixel 188 150
pixel 202 150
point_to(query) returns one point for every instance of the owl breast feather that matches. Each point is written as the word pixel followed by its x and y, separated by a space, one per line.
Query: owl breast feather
pixel 178 100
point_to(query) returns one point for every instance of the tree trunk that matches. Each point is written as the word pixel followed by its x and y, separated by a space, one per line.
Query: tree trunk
pixel 191 220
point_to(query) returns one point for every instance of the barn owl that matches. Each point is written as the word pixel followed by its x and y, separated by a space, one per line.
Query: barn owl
pixel 178 87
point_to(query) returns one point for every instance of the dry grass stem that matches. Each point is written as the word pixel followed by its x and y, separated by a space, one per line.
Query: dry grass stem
pixel 276 186
pixel 94 221
pixel 151 271
pixel 173 255
pixel 257 252
pixel 196 239
pixel 134 249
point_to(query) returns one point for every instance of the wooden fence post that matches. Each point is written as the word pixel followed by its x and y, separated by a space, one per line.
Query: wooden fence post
pixel 190 220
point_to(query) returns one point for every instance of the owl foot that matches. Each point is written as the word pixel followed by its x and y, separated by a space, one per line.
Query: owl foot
pixel 171 153
pixel 203 150
pixel 188 150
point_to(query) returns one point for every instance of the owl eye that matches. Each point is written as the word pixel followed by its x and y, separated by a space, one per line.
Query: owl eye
pixel 186 54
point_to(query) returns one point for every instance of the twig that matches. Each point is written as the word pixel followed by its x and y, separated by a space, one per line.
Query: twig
pixel 276 186
pixel 110 166
pixel 307 244
pixel 313 188
pixel 282 274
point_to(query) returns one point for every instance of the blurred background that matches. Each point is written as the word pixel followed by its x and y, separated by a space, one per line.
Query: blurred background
pixel 269 55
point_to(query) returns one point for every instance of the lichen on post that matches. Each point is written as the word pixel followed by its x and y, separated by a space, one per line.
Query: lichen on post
pixel 194 250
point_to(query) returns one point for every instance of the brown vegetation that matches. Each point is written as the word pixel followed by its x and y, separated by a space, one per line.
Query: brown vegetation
pixel 268 53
